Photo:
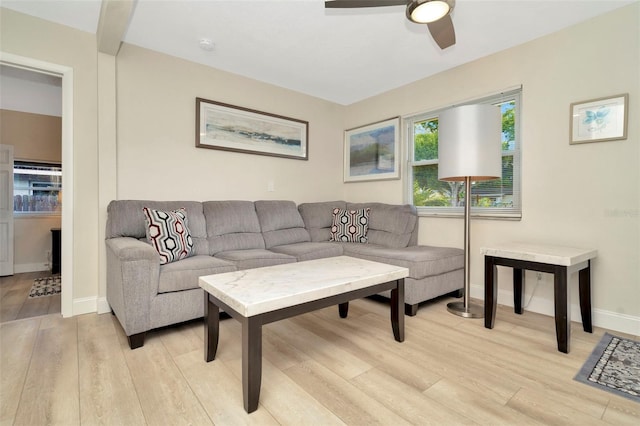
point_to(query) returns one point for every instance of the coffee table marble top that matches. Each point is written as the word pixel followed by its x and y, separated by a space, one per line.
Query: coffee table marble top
pixel 256 291
pixel 541 253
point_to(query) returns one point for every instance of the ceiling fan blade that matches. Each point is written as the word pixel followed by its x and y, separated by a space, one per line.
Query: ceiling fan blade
pixel 442 32
pixel 341 4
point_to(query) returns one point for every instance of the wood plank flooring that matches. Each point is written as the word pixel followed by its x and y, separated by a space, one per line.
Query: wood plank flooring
pixel 15 302
pixel 318 369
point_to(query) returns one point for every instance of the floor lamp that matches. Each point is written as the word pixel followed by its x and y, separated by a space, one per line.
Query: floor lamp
pixel 469 149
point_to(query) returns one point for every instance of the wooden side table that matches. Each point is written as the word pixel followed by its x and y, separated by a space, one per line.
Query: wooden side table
pixel 556 260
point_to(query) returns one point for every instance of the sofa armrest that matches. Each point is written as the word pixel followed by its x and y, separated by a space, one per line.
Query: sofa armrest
pixel 133 272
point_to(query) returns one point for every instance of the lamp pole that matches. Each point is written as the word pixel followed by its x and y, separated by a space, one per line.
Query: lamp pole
pixel 465 308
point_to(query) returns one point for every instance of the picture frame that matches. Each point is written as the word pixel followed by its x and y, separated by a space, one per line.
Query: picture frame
pixel 599 120
pixel 372 151
pixel 232 128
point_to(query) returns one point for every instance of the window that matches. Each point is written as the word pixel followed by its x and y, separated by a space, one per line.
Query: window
pixel 37 188
pixel 493 198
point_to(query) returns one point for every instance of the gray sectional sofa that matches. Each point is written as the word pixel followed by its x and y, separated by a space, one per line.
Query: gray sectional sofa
pixel 236 235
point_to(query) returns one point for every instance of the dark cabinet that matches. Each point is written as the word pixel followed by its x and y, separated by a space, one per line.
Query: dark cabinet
pixel 56 246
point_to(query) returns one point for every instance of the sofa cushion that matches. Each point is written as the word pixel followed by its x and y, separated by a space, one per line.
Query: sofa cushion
pixel 232 225
pixel 392 226
pixel 318 217
pixel 183 274
pixel 309 250
pixel 281 223
pixel 168 232
pixel 422 261
pixel 254 258
pixel 126 219
pixel 350 226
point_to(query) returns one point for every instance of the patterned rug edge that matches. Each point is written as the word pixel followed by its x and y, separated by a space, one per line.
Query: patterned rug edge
pixel 47 286
pixel 591 363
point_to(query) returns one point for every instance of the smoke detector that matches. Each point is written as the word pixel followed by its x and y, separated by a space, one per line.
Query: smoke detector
pixel 206 44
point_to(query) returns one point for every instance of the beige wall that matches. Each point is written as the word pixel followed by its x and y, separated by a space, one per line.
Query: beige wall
pixel 34 38
pixel 35 137
pixel 157 157
pixel 32 241
pixel 583 195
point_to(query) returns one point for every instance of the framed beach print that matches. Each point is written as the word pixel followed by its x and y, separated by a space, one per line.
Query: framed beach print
pixel 598 120
pixel 233 128
pixel 372 152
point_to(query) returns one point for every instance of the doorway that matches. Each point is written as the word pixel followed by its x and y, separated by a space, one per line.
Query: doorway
pixel 65 74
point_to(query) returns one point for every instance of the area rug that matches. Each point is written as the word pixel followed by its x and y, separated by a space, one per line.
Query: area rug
pixel 614 366
pixel 47 286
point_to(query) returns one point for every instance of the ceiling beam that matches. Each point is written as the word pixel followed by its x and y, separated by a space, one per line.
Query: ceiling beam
pixel 113 23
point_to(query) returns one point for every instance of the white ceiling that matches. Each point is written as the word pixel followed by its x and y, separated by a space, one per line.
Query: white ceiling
pixel 340 55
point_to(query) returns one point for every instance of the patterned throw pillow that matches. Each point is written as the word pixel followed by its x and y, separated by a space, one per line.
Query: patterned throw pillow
pixel 169 234
pixel 350 226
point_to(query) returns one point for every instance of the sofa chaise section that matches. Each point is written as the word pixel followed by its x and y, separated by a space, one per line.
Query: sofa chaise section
pixel 392 238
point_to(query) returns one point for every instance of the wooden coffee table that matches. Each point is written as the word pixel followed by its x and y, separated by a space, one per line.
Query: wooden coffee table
pixel 260 296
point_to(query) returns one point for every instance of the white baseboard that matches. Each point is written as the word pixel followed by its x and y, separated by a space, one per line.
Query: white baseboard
pixel 21 268
pixel 87 305
pixel 103 305
pixel 601 318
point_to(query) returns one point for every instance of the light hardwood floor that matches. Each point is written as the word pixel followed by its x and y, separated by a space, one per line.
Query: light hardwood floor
pixel 318 369
pixel 15 302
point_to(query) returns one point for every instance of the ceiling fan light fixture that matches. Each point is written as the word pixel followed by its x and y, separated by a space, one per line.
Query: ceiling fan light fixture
pixel 425 11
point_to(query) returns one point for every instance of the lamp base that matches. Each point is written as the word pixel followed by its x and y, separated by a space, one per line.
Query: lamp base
pixel 471 311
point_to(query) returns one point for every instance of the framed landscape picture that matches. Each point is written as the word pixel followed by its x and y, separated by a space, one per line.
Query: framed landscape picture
pixel 598 120
pixel 372 152
pixel 232 128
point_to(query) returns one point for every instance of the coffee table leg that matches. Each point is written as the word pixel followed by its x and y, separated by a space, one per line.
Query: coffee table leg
pixel 251 363
pixel 211 328
pixel 397 311
pixel 584 277
pixel 343 309
pixel 562 311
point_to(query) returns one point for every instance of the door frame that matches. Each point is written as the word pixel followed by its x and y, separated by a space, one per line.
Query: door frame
pixel 66 73
pixel 6 212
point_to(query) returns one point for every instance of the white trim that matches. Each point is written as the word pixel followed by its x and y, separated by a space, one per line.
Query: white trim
pixel 103 305
pixel 601 318
pixel 441 107
pixel 67 301
pixel 85 305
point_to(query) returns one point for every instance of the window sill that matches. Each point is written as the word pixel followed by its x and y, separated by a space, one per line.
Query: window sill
pixel 31 215
pixel 512 216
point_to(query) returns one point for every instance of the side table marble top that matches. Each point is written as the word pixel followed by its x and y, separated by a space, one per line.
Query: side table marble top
pixel 542 253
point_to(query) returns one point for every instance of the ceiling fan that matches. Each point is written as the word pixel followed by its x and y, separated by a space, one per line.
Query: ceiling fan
pixel 435 13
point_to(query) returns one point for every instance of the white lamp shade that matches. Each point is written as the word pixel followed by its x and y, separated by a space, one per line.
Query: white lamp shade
pixel 469 143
